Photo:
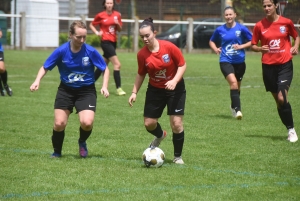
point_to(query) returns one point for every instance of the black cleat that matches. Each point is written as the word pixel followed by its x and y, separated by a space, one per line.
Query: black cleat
pixel 8 90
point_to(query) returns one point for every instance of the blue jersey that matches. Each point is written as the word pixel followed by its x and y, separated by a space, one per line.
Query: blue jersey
pixel 76 69
pixel 1 48
pixel 239 34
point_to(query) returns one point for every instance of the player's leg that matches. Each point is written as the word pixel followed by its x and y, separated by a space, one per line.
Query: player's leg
pixel 154 105
pixel 285 76
pixel 176 108
pixel 117 75
pixel 228 71
pixel 85 106
pixel 58 133
pixel 2 92
pixel 3 75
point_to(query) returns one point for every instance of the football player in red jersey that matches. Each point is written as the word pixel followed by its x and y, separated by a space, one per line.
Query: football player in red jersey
pixel 165 66
pixel 274 33
pixel 109 22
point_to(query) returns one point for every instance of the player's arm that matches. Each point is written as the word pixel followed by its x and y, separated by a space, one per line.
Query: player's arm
pixel 35 85
pixel 93 28
pixel 213 46
pixel 0 33
pixel 171 85
pixel 139 79
pixel 104 89
pixel 295 48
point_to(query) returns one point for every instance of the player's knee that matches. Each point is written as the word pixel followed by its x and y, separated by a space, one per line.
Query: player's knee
pixel 86 125
pixel 59 125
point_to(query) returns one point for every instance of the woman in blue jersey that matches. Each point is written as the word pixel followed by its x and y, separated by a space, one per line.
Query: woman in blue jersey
pixel 3 72
pixel 76 62
pixel 234 38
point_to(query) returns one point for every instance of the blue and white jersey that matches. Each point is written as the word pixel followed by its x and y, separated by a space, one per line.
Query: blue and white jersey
pixel 76 69
pixel 1 48
pixel 239 34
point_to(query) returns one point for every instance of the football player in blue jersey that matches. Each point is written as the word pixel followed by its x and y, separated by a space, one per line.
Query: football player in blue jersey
pixel 76 62
pixel 3 72
pixel 234 38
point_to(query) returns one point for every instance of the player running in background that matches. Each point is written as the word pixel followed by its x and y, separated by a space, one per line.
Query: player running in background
pixel 165 66
pixel 3 72
pixel 273 32
pixel 76 63
pixel 109 22
pixel 234 38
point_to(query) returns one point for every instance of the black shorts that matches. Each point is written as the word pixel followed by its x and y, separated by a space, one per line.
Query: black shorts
pixel 237 69
pixel 109 48
pixel 157 99
pixel 276 75
pixel 83 98
pixel 2 56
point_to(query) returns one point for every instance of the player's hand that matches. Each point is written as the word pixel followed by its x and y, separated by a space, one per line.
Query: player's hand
pixel 104 92
pixel 170 85
pixel 294 50
pixel 132 99
pixel 34 86
pixel 265 49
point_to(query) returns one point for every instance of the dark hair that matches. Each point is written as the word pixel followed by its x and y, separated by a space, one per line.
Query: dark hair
pixel 148 22
pixel 103 4
pixel 229 7
pixel 275 2
pixel 77 23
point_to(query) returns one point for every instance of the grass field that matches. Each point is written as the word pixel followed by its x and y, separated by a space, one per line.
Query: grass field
pixel 225 159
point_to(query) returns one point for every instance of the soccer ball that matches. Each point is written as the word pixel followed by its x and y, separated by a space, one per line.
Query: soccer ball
pixel 153 157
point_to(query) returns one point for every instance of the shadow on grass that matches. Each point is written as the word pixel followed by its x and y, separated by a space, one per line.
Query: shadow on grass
pixel 275 138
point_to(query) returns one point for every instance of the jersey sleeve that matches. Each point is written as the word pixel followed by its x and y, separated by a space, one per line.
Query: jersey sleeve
pixel 256 35
pixel 97 19
pixel 293 31
pixel 53 59
pixel 215 36
pixel 98 60
pixel 141 64
pixel 119 19
pixel 177 56
pixel 247 35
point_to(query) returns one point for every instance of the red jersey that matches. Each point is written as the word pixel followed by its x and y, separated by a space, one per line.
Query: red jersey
pixel 161 66
pixel 107 24
pixel 277 36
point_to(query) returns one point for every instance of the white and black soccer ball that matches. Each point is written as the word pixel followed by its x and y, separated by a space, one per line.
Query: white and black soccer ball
pixel 153 157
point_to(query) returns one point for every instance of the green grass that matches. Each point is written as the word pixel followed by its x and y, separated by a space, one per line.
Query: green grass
pixel 225 159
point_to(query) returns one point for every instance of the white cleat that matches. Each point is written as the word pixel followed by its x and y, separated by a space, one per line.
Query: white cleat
pixel 292 136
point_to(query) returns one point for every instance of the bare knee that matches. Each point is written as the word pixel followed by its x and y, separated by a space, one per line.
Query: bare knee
pixel 150 124
pixel 60 125
pixel 86 125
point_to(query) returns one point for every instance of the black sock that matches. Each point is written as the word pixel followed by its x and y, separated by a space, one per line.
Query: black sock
pixel 58 140
pixel 158 132
pixel 235 99
pixel 178 140
pixel 84 135
pixel 1 86
pixel 4 78
pixel 97 74
pixel 286 116
pixel 117 78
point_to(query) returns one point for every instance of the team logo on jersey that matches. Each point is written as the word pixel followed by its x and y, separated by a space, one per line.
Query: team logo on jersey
pixel 229 50
pixel 238 33
pixel 274 44
pixel 282 29
pixel 166 58
pixel 85 61
pixel 161 74
pixel 74 77
pixel 111 29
